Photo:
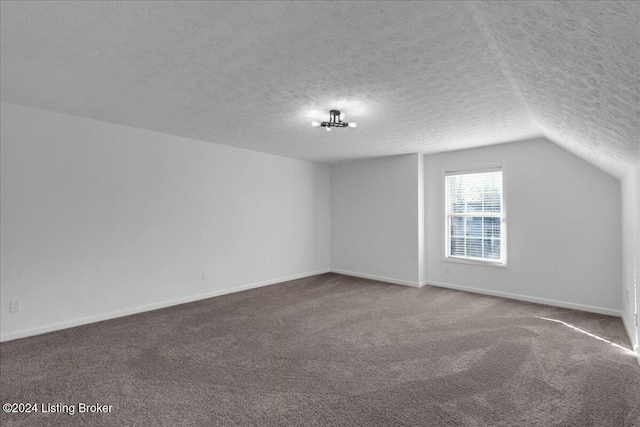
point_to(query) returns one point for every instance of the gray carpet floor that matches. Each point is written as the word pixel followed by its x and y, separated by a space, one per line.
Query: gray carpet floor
pixel 332 350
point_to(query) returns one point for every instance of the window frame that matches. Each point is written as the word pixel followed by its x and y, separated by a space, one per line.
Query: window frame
pixel 447 257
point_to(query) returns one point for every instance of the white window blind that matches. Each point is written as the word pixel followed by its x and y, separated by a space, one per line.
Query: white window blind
pixel 475 225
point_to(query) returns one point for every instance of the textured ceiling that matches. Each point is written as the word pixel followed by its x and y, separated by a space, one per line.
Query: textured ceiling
pixel 577 66
pixel 417 76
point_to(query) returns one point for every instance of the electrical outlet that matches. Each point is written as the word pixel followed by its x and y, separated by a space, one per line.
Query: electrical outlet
pixel 204 277
pixel 14 306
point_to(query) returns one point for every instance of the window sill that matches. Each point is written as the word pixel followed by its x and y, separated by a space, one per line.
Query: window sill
pixel 475 262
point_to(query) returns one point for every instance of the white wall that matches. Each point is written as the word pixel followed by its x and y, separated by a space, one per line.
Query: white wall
pixel 100 220
pixel 422 271
pixel 563 219
pixel 374 218
pixel 631 252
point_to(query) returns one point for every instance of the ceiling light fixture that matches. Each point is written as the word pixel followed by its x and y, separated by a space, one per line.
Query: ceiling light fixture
pixel 335 121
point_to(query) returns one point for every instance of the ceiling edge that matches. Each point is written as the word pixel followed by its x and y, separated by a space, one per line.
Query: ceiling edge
pixel 476 15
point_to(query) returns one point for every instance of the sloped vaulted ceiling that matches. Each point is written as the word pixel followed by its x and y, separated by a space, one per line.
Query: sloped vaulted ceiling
pixel 417 76
pixel 577 66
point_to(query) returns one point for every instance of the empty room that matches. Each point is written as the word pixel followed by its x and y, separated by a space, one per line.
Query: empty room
pixel 289 213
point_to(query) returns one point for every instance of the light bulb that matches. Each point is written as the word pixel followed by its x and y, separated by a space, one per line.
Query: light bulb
pixel 342 116
pixel 315 124
pixel 353 125
pixel 328 128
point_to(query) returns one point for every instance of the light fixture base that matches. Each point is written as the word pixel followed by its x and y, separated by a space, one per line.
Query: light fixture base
pixel 335 121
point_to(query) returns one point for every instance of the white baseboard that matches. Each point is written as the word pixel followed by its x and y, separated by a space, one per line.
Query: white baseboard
pixel 374 277
pixel 545 301
pixel 632 338
pixel 140 309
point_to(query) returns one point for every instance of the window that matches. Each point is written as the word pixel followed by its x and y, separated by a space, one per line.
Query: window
pixel 475 221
